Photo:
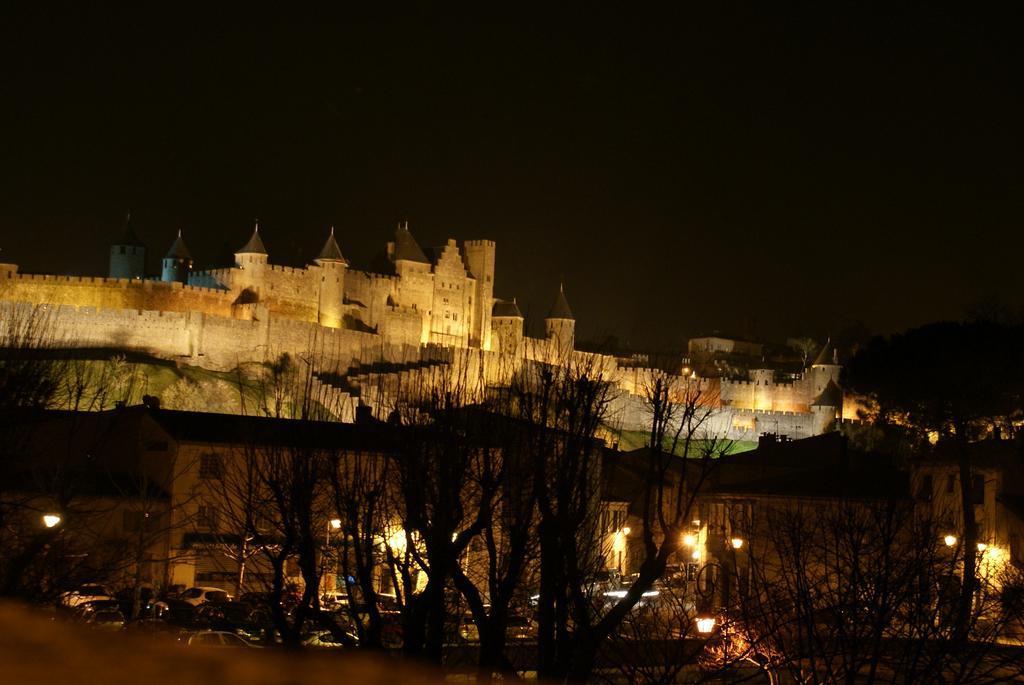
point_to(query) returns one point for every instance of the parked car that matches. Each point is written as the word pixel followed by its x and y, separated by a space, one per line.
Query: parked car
pixel 327 639
pixel 106 619
pixel 520 628
pixel 468 629
pixel 89 592
pixel 217 638
pixel 202 595
pixel 83 611
pixel 234 617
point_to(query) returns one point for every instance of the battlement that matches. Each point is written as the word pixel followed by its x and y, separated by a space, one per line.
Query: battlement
pixel 290 270
pixel 766 412
pixel 373 276
pixel 479 243
pixel 126 283
pixel 772 384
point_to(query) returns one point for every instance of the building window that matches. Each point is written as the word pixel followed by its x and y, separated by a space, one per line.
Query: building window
pixel 978 489
pixel 122 249
pixel 925 492
pixel 206 517
pixel 455 316
pixel 209 466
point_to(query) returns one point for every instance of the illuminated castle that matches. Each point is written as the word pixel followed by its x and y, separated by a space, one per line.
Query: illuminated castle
pixel 414 305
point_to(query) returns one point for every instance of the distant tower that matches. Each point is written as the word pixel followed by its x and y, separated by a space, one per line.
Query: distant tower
pixel 251 258
pixel 825 369
pixel 480 260
pixel 560 327
pixel 332 283
pixel 128 254
pixel 507 324
pixel 177 262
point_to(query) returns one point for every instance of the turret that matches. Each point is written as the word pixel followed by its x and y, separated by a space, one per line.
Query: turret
pixel 177 263
pixel 560 327
pixel 480 260
pixel 825 369
pixel 507 327
pixel 251 258
pixel 332 283
pixel 128 254
pixel 406 253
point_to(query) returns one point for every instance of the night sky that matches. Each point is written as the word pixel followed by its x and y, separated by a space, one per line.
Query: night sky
pixel 757 170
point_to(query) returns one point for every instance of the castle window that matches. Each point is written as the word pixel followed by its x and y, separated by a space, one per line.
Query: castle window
pixel 122 249
pixel 455 317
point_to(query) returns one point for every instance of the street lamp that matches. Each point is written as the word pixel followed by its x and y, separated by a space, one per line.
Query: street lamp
pixel 737 543
pixel 51 520
pixel 982 546
pixel 689 540
pixel 705 624
pixel 950 540
pixel 335 524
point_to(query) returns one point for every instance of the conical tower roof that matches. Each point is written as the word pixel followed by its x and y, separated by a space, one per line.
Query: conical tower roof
pixel 128 235
pixel 406 246
pixel 330 251
pixel 255 244
pixel 827 356
pixel 506 308
pixel 560 309
pixel 178 249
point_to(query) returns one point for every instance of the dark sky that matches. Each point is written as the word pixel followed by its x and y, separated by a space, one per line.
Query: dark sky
pixel 752 168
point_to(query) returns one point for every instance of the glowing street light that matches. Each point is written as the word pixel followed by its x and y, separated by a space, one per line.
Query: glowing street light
pixel 689 540
pixel 51 520
pixel 737 543
pixel 626 530
pixel 950 540
pixel 982 546
pixel 335 524
pixel 705 624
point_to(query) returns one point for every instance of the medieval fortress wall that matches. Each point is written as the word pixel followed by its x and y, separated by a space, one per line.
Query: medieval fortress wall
pixel 429 321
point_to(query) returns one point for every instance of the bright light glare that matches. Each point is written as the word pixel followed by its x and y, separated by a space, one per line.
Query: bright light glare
pixel 696 554
pixel 689 540
pixel 737 543
pixel 626 530
pixel 335 524
pixel 950 540
pixel 705 624
pixel 617 594
pixel 51 520
pixel 982 546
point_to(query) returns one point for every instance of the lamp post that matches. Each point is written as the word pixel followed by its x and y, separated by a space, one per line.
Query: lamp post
pixel 52 520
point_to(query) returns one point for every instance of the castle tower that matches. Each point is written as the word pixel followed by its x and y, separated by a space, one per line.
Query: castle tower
pixel 507 327
pixel 480 260
pixel 560 328
pixel 128 254
pixel 332 283
pixel 825 369
pixel 177 262
pixel 251 258
pixel 406 253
